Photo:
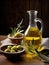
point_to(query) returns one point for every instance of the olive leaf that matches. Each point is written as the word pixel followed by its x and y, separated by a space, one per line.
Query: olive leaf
pixel 18 29
pixel 36 51
pixel 42 56
pixel 19 26
pixel 13 30
pixel 31 47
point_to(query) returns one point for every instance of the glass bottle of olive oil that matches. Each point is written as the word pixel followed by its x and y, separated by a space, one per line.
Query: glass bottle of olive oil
pixel 32 32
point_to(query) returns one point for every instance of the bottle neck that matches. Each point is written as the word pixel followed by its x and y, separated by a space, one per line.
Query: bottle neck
pixel 32 17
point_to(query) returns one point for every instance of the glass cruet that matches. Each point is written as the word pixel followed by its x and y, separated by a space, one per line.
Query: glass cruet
pixel 33 32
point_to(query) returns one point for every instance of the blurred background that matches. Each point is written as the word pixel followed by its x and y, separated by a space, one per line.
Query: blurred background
pixel 12 12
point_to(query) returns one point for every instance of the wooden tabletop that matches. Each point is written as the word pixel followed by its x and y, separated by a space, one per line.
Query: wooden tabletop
pixel 20 61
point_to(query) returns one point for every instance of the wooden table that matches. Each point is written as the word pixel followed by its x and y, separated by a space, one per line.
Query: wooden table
pixel 20 61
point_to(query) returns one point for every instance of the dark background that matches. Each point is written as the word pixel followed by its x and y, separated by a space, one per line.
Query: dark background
pixel 12 11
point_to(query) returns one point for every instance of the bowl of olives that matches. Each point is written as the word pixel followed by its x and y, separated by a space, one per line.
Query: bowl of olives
pixel 12 51
pixel 16 35
pixel 17 38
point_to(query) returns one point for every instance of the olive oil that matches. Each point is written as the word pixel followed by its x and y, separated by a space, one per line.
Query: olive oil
pixel 33 34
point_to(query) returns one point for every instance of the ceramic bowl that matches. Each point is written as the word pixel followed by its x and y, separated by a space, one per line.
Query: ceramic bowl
pixel 16 40
pixel 11 54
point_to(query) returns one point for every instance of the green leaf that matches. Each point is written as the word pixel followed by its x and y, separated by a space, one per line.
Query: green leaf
pixel 42 56
pixel 18 29
pixel 32 41
pixel 31 47
pixel 19 25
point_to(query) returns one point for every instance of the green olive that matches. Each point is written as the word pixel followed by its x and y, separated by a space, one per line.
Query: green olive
pixel 9 47
pixel 14 48
pixel 18 34
pixel 19 47
pixel 7 50
pixel 12 51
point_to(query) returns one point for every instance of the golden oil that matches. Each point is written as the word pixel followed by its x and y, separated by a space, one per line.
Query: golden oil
pixel 33 34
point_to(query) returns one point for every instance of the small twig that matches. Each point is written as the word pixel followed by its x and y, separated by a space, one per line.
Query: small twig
pixel 42 56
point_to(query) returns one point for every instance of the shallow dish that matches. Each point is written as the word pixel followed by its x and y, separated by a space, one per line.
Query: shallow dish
pixel 11 54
